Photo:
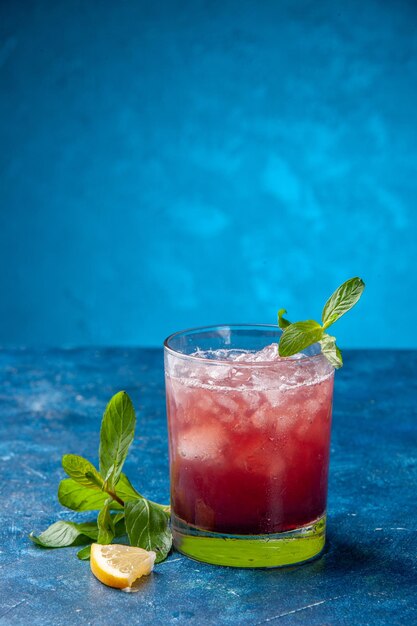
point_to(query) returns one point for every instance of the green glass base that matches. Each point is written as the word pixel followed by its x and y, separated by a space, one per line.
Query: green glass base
pixel 278 550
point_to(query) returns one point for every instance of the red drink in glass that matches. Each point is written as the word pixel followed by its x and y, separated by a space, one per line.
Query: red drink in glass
pixel 249 444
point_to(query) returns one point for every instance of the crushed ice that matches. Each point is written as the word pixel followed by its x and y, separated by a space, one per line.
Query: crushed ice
pixel 275 372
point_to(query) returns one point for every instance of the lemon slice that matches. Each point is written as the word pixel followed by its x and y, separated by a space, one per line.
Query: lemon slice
pixel 118 565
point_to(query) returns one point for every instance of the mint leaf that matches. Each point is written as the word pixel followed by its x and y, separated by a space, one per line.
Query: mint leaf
pixel 282 322
pixel 80 498
pixel 89 529
pixel 342 300
pixel 118 517
pixel 82 471
pixel 298 336
pixel 147 527
pixel 105 524
pixel 84 553
pixel 63 534
pixel 116 435
pixel 125 489
pixel 331 351
pixel 57 535
pixel 119 524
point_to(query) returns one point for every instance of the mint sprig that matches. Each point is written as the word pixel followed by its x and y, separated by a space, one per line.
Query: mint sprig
pixel 300 335
pixel 146 523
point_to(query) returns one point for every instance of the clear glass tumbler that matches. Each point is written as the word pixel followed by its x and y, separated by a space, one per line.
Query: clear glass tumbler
pixel 249 439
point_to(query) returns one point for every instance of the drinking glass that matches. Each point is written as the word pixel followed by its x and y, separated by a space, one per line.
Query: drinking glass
pixel 249 439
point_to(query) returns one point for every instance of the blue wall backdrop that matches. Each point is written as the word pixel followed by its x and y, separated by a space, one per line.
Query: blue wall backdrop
pixel 172 164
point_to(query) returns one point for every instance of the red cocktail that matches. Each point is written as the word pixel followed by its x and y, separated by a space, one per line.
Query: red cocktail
pixel 249 446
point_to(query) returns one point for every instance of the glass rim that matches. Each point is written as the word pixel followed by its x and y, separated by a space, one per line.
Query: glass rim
pixel 198 359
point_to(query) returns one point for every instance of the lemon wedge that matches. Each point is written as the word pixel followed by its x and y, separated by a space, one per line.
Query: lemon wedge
pixel 119 566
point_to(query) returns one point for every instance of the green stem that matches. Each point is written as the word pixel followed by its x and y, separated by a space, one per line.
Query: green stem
pixel 115 497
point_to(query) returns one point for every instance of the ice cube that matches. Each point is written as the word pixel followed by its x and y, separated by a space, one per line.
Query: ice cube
pixel 225 401
pixel 254 399
pixel 285 421
pixel 217 372
pixel 311 410
pixel 270 408
pixel 275 397
pixel 312 407
pixel 304 427
pixel 205 400
pixel 260 418
pixel 240 376
pixel 245 357
pixel 202 442
pixel 267 354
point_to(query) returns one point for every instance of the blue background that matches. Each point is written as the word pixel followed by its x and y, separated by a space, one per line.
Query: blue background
pixel 173 164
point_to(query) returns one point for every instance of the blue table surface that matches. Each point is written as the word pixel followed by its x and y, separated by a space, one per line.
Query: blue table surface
pixel 52 402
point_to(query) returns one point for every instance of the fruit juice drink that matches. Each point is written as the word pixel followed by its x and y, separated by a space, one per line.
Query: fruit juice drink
pixel 249 440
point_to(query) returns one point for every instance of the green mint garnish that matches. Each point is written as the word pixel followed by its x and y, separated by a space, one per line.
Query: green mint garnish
pixel 79 498
pixel 300 335
pixel 82 471
pixel 146 523
pixel 282 322
pixel 116 435
pixel 84 553
pixel 105 524
pixel 62 534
